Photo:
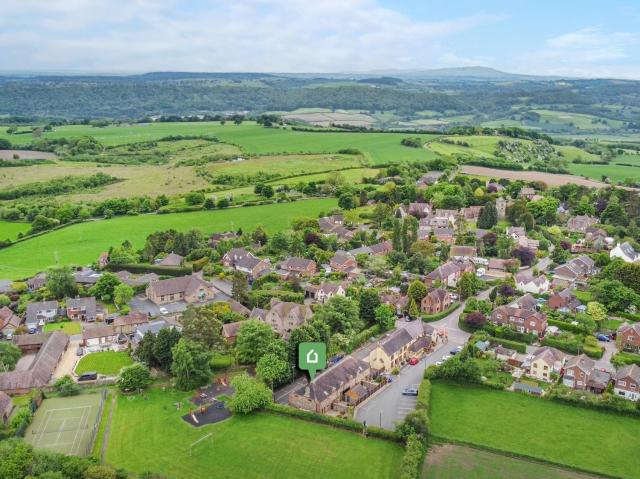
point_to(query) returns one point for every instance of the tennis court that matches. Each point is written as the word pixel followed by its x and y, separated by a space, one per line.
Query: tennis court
pixel 66 425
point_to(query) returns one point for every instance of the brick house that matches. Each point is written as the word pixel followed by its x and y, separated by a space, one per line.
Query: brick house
pixel 522 320
pixel 564 301
pixel 445 235
pixel 299 266
pixel 627 382
pixel 283 316
pixel 343 262
pixel 449 273
pixel 325 291
pixel 462 252
pixel 128 323
pixel 190 289
pixel 82 309
pixel 628 337
pixel 577 370
pixel 436 301
pixel 9 322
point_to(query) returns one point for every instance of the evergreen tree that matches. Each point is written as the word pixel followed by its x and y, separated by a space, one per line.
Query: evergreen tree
pixel 240 287
pixel 396 238
pixel 190 365
pixel 488 216
pixel 369 301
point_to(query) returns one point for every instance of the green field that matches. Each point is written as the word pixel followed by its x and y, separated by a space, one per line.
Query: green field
pixel 453 462
pixel 255 446
pixel 67 327
pixel 10 230
pixel 614 170
pixel 81 244
pixel 378 148
pixel 531 426
pixel 108 363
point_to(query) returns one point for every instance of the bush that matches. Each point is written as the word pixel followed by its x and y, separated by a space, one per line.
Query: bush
pixel 593 352
pixel 435 317
pixel 571 346
pixel 602 402
pixel 362 337
pixel 134 377
pixel 566 326
pixel 250 394
pixel 622 358
pixel 411 464
pixel 515 345
pixel 66 386
pixel 507 332
pixel 137 268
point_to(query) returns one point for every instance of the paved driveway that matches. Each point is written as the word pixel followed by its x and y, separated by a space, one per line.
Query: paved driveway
pixel 69 358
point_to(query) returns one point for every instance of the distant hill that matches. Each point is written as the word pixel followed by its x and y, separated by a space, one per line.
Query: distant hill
pixel 473 73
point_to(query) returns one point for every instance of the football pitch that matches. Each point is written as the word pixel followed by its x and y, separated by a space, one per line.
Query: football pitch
pixel 66 425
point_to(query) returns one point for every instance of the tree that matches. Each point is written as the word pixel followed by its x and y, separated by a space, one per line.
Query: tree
pixel 475 319
pixel 341 314
pixel 396 239
pixel 493 294
pixel 163 345
pixel 9 356
pixel 190 365
pixel 253 341
pixel 417 290
pixel 144 351
pixel 250 394
pixel 122 294
pixel 98 471
pixel 346 201
pixel 524 254
pixel 66 386
pixel 134 377
pixel 4 300
pixel 260 236
pixel 385 317
pixel 61 283
pixel 194 198
pixel 240 287
pixel 560 255
pixel 273 369
pixel 468 285
pixel 614 295
pixel 597 311
pixel 203 326
pixel 413 309
pixel 369 301
pixel 614 213
pixel 104 288
pixel 488 216
pixel 267 191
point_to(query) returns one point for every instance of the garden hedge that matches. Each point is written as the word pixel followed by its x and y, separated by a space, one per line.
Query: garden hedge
pixel 428 318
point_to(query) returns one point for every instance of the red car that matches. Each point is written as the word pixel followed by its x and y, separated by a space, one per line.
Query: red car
pixel 414 361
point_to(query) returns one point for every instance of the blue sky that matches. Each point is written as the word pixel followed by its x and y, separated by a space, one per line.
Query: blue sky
pixel 563 37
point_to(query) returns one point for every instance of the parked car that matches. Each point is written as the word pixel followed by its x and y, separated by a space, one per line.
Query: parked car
pixel 411 390
pixel 446 357
pixel 454 351
pixel 603 337
pixel 414 361
pixel 79 351
pixel 92 376
pixel 164 311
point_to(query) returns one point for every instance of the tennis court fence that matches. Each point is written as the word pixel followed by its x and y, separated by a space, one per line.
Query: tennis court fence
pixel 96 426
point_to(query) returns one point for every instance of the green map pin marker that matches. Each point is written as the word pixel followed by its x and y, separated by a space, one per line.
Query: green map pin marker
pixel 312 357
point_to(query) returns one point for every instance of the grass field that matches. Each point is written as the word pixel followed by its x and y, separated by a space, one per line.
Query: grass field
pixel 82 243
pixel 614 170
pixel 67 327
pixel 108 363
pixel 65 425
pixel 547 430
pixel 253 139
pixel 255 446
pixel 9 230
pixel 453 462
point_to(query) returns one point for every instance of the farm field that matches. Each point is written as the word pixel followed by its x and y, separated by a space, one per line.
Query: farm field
pixel 542 429
pixel 448 461
pixel 379 148
pixel 550 179
pixel 614 170
pixel 10 230
pixel 81 244
pixel 26 155
pixel 108 363
pixel 67 327
pixel 255 446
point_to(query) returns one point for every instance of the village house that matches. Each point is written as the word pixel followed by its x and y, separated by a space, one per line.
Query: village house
pixel 462 252
pixel 430 178
pixel 438 222
pixel 299 267
pixel 575 270
pixel 153 327
pixel 136 280
pixel 436 301
pixel 516 232
pixel 425 336
pixel 444 235
pixel 86 277
pixel 230 331
pixel 36 282
pixel 501 206
pixel 283 316
pixel 99 336
pixel 580 223
pixel 327 390
pixel 527 302
pixel 500 267
pixel 527 283
pixel 580 373
pixel 172 260
pixel 82 309
pixel 39 372
pixel 625 252
pixel 450 215
pixel 448 274
pixel 392 351
pixel 231 257
pixel 545 362
pixel 628 337
pixel 564 301
pixel 40 313
pixel 396 300
pixel 325 291
pixel 128 323
pixel 327 223
pixel 522 320
pixel 627 382
pixel 9 322
pixel 471 213
pixel 190 289
pixel 343 262
pixel 528 243
pixel 216 238
pixel 419 210
pixel 527 193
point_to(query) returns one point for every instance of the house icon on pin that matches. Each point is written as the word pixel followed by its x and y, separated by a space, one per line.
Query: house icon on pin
pixel 312 357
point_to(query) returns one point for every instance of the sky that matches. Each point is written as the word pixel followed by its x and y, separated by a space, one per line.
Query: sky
pixel 587 38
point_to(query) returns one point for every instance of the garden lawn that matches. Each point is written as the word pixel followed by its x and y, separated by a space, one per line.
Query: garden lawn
pixel 81 244
pixel 108 363
pixel 9 230
pixel 149 435
pixel 560 433
pixel 67 327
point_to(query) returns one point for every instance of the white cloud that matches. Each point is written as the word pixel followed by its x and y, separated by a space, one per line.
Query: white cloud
pixel 244 35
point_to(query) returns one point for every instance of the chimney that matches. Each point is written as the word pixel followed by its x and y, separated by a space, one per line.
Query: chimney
pixel 307 392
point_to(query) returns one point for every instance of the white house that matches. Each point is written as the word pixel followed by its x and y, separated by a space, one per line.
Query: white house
pixel 526 283
pixel 626 252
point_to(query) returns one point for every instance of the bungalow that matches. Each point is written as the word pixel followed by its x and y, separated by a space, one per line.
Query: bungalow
pixel 86 277
pixel 627 382
pixel 343 262
pixel 99 336
pixel 283 316
pixel 82 309
pixel 172 260
pixel 230 331
pixel 299 266
pixel 449 273
pixel 628 337
pixel 325 291
pixel 41 369
pixel 626 252
pixel 580 223
pixel 526 283
pixel 545 361
pixel 564 301
pixel 392 351
pixel 436 301
pixel 190 289
pixel 9 322
pixel 128 323
pixel 463 252
pixel 137 280
pixel 328 388
pixel 577 269
pixel 40 313
pixel 522 320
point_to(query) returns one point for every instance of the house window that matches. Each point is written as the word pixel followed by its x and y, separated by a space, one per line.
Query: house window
pixel 623 383
pixel 546 368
